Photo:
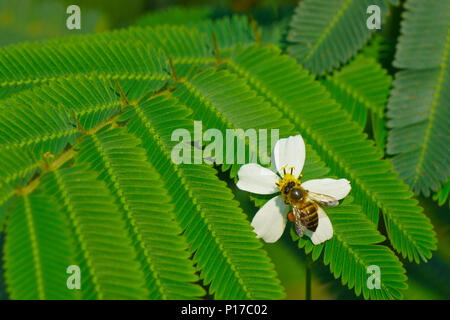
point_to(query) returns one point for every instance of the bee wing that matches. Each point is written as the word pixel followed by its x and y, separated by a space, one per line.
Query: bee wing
pixel 299 227
pixel 322 199
pixel 324 230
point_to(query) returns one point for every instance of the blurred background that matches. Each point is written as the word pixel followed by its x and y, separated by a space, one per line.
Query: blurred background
pixel 31 20
pixel 22 20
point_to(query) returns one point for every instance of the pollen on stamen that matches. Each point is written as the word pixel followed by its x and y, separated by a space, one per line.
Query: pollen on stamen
pixel 291 216
pixel 284 169
pixel 287 178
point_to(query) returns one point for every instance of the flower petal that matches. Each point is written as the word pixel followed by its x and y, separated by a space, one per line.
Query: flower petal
pixel 337 189
pixel 270 221
pixel 290 152
pixel 324 229
pixel 257 179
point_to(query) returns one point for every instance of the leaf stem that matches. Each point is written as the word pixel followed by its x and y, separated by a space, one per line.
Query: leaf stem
pixel 67 155
pixel 308 277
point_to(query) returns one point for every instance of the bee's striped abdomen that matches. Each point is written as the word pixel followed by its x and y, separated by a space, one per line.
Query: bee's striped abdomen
pixel 308 215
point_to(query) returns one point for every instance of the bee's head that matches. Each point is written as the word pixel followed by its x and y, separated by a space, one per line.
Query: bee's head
pixel 292 192
pixel 290 188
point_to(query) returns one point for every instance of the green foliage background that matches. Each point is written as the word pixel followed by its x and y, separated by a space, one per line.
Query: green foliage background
pixel 86 176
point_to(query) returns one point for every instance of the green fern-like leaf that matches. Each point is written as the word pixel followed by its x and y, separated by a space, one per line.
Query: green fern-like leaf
pixel 218 112
pixel 442 195
pixel 353 249
pixel 325 34
pixel 17 166
pixel 380 49
pixel 122 131
pixel 224 111
pixel 419 109
pixel 20 127
pixel 107 53
pixel 7 193
pixel 16 163
pixel 244 283
pixel 27 65
pixel 355 245
pixel 228 32
pixel 362 87
pixel 139 214
pixel 63 112
pixel 215 227
pixel 103 250
pixel 37 250
pixel 147 209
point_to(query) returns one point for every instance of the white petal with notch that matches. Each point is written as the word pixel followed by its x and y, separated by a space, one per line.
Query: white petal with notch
pixel 270 220
pixel 290 152
pixel 337 189
pixel 257 179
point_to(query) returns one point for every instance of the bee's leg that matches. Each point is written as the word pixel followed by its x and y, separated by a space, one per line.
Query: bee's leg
pixel 300 229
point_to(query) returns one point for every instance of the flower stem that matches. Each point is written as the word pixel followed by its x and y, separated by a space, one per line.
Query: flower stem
pixel 308 277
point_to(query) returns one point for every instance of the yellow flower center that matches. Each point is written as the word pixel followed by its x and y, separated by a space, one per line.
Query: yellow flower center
pixel 288 177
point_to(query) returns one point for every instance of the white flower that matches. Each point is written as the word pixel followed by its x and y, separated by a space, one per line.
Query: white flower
pixel 289 157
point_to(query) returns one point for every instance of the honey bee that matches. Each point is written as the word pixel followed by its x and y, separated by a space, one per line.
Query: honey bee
pixel 305 212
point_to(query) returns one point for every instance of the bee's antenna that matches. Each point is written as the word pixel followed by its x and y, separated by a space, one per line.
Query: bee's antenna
pixel 292 169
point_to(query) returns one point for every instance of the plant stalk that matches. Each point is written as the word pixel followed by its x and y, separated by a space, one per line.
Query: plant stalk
pixel 308 277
